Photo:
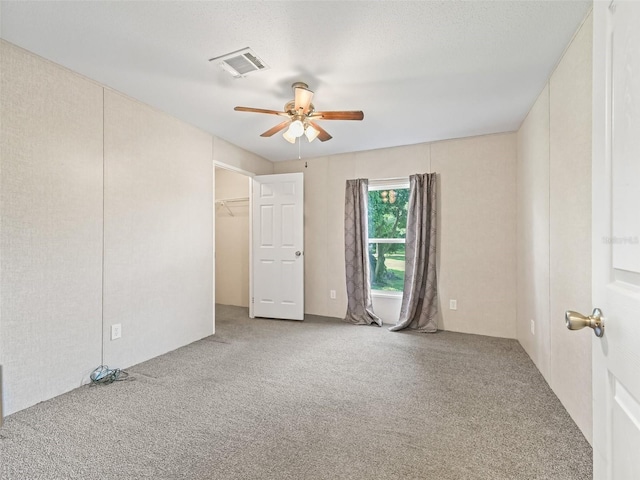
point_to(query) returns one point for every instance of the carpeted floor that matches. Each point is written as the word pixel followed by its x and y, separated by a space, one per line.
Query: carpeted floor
pixel 319 399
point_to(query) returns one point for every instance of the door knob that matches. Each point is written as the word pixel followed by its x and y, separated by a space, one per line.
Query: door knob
pixel 298 253
pixel 576 321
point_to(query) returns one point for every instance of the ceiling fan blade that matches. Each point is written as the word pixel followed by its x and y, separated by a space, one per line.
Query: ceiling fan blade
pixel 339 115
pixel 323 136
pixel 276 129
pixel 260 110
pixel 303 98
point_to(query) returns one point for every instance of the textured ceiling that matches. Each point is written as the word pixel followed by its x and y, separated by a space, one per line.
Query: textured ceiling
pixel 420 71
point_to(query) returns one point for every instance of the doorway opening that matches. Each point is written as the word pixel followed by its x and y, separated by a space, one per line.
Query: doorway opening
pixel 232 237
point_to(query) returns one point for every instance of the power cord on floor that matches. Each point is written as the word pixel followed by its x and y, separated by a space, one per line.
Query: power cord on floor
pixel 106 375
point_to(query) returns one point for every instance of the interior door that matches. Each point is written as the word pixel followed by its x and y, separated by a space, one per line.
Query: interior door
pixel 616 239
pixel 277 246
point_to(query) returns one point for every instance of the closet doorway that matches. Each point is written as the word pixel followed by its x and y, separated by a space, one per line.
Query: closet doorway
pixel 232 190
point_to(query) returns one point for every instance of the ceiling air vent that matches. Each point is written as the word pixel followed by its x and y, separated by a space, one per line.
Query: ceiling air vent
pixel 240 63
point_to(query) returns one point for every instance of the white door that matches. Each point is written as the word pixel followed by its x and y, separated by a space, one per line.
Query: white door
pixel 616 239
pixel 277 246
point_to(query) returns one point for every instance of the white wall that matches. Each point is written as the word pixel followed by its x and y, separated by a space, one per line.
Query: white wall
pixel 554 225
pixel 232 239
pixel 76 156
pixel 476 222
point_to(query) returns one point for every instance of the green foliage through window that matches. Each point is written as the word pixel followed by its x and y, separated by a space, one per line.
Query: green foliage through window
pixel 387 228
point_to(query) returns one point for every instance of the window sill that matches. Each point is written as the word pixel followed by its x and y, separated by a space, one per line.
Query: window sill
pixel 383 294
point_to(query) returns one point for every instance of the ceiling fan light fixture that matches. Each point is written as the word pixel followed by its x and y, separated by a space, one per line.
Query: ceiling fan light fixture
pixel 296 129
pixel 288 137
pixel 311 133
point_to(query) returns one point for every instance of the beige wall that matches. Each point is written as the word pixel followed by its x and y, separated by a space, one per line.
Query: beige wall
pixel 158 231
pixel 52 217
pixel 90 176
pixel 554 225
pixel 239 159
pixel 51 228
pixel 478 233
pixel 533 232
pixel 476 181
pixel 232 239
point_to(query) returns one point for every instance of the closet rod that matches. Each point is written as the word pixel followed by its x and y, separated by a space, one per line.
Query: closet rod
pixel 238 199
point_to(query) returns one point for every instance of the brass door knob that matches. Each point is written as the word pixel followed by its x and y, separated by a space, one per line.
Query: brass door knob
pixel 576 321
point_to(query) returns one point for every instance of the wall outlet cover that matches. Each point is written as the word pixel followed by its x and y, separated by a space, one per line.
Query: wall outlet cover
pixel 453 304
pixel 116 331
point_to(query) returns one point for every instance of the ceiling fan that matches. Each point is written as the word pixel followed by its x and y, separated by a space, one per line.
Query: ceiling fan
pixel 302 116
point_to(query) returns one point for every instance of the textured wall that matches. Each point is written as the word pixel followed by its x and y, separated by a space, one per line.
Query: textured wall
pixel 533 233
pixel 554 221
pixel 232 240
pixel 317 200
pixel 51 228
pixel 478 233
pixel 158 257
pixel 570 223
pixel 238 158
pixel 476 226
pixel 71 150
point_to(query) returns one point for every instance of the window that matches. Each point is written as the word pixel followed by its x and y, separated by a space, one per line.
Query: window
pixel 388 201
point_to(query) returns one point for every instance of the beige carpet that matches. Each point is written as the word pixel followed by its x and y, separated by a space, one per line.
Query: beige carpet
pixel 320 399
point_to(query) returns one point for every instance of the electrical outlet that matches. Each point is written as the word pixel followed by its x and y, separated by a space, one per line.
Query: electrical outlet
pixel 332 294
pixel 116 331
pixel 533 327
pixel 453 304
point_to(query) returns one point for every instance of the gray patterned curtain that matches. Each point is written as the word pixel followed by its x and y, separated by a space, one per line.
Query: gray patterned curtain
pixel 356 251
pixel 419 299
